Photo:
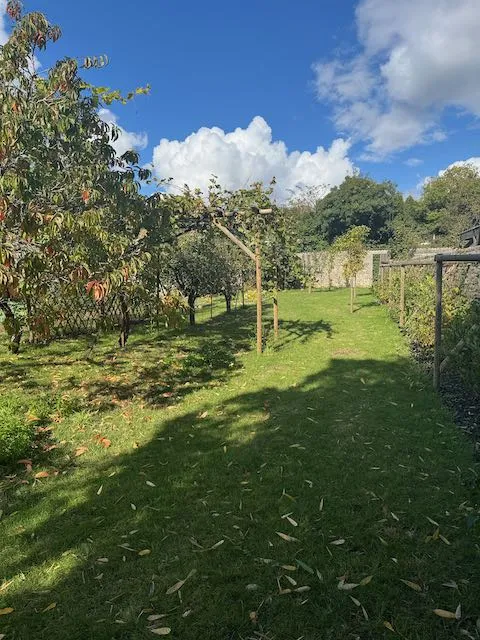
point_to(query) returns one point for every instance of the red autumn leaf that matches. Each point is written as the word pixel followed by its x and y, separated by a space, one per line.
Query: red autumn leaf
pixel 105 442
pixel 85 195
pixel 97 289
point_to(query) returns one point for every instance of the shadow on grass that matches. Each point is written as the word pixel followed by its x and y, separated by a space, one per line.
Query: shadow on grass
pixel 340 452
pixel 156 368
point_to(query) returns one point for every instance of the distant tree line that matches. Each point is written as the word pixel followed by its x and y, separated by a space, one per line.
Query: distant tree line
pixel 447 205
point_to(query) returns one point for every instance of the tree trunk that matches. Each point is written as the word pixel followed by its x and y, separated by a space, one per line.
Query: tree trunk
pixel 228 302
pixel 125 321
pixel 275 313
pixel 31 336
pixel 12 326
pixel 351 296
pixel 243 294
pixel 157 299
pixel 191 308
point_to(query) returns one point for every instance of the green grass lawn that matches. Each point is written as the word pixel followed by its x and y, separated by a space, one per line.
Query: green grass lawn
pixel 269 485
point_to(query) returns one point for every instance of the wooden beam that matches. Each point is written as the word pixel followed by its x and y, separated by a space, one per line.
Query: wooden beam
pixel 457 257
pixel 234 239
pixel 421 262
pixel 258 275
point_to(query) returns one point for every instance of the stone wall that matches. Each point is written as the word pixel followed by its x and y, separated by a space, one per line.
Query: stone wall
pixel 327 273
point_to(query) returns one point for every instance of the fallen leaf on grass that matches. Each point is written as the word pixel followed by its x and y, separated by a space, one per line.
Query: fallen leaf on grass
pixel 305 566
pixel 178 585
pixel 338 542
pixel 150 484
pixel 156 616
pixel 412 585
pixel 389 626
pixel 216 545
pixel 6 611
pixel 41 474
pixel 51 606
pixel 105 442
pixel 346 586
pixel 27 463
pixel 79 451
pixel 161 631
pixel 100 489
pixel 365 581
pixel 5 585
pixel 355 601
pixel 286 537
pixel 145 552
pixel 452 584
pixel 442 613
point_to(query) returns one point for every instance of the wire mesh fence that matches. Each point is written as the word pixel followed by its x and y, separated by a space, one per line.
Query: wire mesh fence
pixel 408 289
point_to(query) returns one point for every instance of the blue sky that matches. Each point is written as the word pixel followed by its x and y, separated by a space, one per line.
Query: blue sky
pixel 393 82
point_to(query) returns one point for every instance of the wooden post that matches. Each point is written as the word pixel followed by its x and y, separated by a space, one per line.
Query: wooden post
pixel 438 324
pixel 258 270
pixel 258 275
pixel 275 313
pixel 402 296
pixel 390 286
pixel 382 273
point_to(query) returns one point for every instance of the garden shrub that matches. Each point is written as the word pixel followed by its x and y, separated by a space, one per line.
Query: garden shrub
pixel 461 313
pixel 16 433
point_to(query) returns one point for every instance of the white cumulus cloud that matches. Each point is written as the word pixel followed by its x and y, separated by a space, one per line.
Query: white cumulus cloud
pixel 127 140
pixel 416 58
pixel 3 26
pixel 413 162
pixel 473 162
pixel 243 156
